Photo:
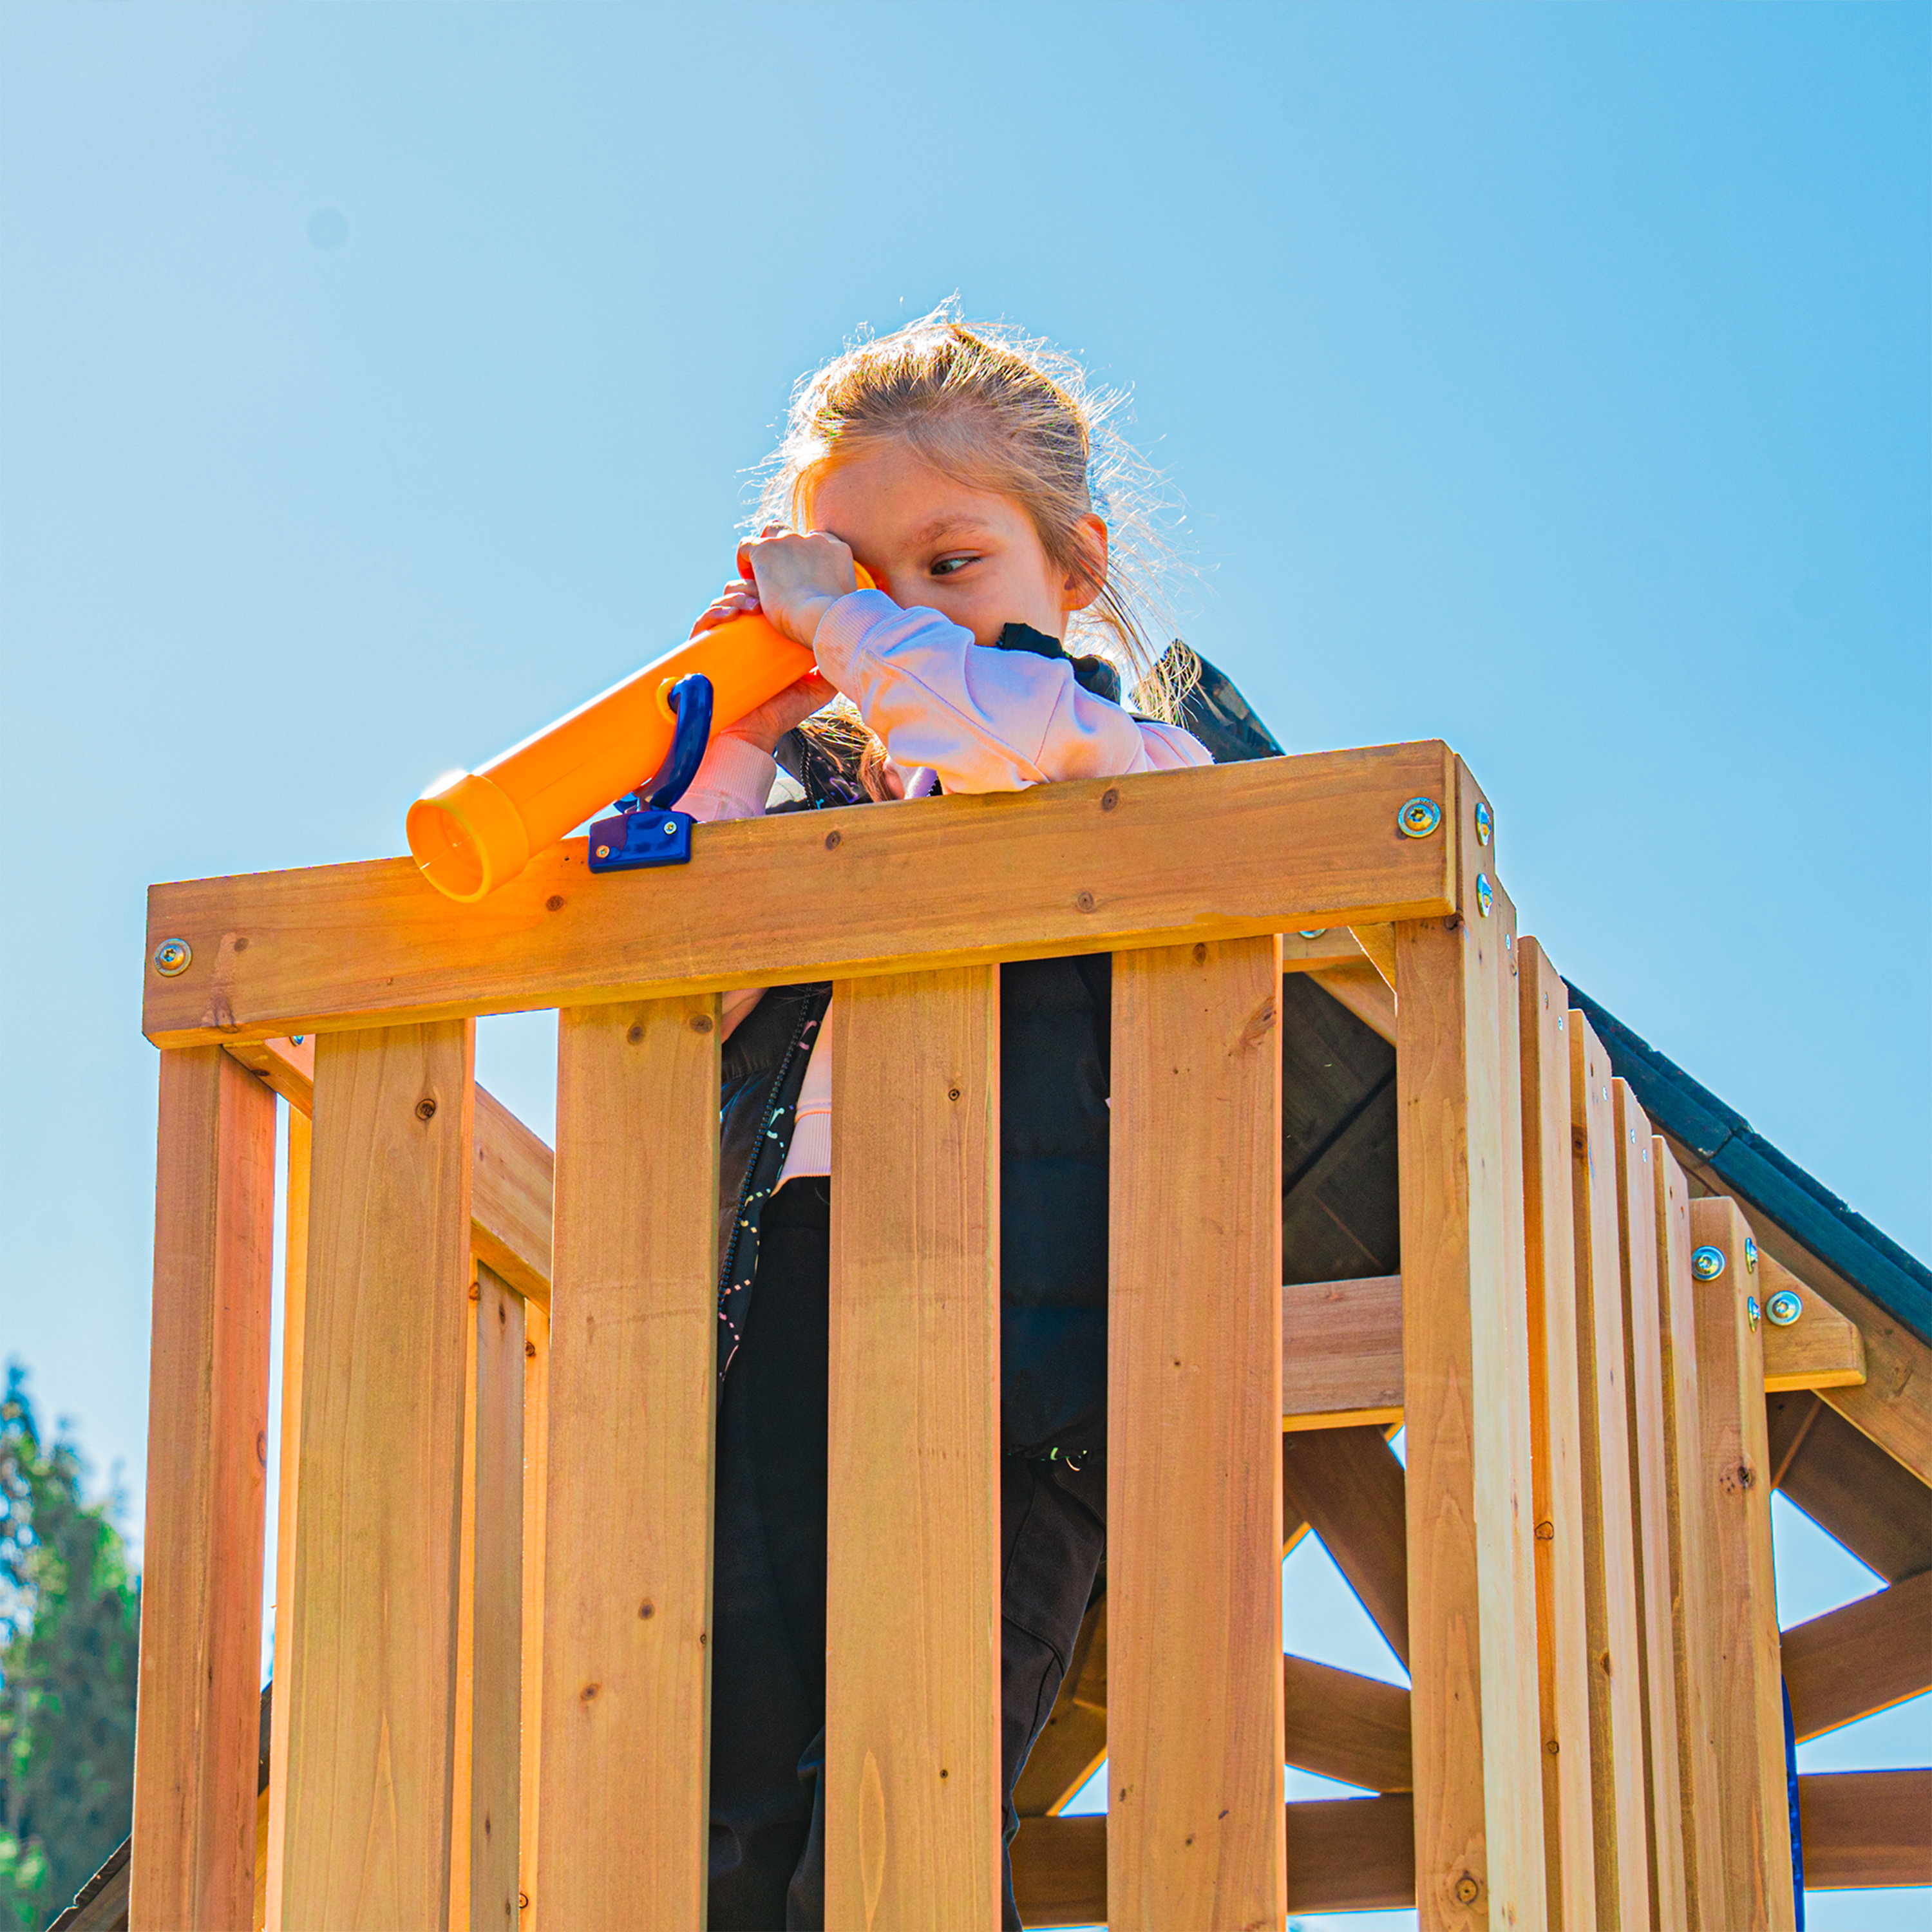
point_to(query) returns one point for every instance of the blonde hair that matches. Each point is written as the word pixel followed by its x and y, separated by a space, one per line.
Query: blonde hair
pixel 997 412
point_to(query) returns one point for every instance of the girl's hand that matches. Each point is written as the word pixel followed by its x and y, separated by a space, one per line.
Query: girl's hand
pixel 798 579
pixel 772 719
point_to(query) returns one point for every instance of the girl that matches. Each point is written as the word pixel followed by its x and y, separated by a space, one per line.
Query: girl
pixel 959 468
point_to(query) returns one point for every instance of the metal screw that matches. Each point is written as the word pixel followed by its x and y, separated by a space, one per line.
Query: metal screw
pixel 1707 1263
pixel 671 828
pixel 1485 824
pixel 1783 1309
pixel 1482 894
pixel 296 1038
pixel 173 958
pixel 1312 932
pixel 1750 1310
pixel 1467 1890
pixel 603 851
pixel 1750 1255
pixel 1418 818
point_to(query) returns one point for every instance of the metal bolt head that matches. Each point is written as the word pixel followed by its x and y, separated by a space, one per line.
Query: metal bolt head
pixel 1751 1311
pixel 1484 897
pixel 1707 1263
pixel 1418 818
pixel 1783 1308
pixel 603 851
pixel 1485 823
pixel 173 958
pixel 1312 932
pixel 1750 1255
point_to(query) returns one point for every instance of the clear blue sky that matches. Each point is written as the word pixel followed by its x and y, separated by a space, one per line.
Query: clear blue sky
pixel 377 382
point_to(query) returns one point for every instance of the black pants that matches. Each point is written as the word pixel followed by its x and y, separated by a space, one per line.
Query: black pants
pixel 768 1601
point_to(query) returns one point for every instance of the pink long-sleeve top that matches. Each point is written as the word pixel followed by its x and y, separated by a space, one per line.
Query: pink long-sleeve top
pixel 977 718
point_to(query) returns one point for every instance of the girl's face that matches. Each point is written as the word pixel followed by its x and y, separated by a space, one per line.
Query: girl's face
pixel 974 556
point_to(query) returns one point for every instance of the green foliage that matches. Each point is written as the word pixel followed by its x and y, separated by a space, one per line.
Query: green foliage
pixel 70 1626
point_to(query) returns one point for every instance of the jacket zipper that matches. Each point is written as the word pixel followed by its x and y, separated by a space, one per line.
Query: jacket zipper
pixel 758 1148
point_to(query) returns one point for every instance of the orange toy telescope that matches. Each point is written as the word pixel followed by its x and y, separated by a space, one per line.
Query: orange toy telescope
pixel 474 831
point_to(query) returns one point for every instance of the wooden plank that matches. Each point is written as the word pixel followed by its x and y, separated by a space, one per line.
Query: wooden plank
pixel 1863 1657
pixel 1609 1539
pixel 1073 1740
pixel 371 1667
pixel 1821 1349
pixel 1855 1492
pixel 496 1595
pixel 536 1462
pixel 1697 1608
pixel 195 1747
pixel 627 1554
pixel 1060 1871
pixel 466 1635
pixel 1341 1353
pixel 1471 1575
pixel 1378 945
pixel 1072 867
pixel 1347 1485
pixel 1865 1828
pixel 1365 993
pixel 1645 1390
pixel 510 1191
pixel 913 1784
pixel 1321 950
pixel 294 1281
pixel 1343 1726
pixel 1753 1806
pixel 1194 1402
pixel 1555 1410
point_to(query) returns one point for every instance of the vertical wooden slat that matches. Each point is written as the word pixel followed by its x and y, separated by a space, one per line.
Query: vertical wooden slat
pixel 497 1597
pixel 1697 1609
pixel 371 1679
pixel 294 1294
pixel 1479 1850
pixel 195 1740
pixel 1752 1807
pixel 536 1462
pixel 1195 1828
pixel 633 1382
pixel 465 1633
pixel 1563 1653
pixel 913 1799
pixel 1610 1541
pixel 1643 1347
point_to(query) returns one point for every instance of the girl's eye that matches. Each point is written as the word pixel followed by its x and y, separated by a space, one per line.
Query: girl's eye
pixel 949 566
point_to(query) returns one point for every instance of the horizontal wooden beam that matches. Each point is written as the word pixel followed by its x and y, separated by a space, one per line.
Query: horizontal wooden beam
pixel 1216 852
pixel 1863 1657
pixel 511 1189
pixel 1344 1855
pixel 1865 1828
pixel 1351 1728
pixel 1363 990
pixel 1822 1349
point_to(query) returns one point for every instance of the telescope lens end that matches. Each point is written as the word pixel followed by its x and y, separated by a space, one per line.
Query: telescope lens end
pixel 467 837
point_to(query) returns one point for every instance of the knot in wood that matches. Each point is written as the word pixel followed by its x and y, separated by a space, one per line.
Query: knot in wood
pixel 554 903
pixel 1545 1532
pixel 635 1035
pixel 1084 900
pixel 700 1023
pixel 1109 799
pixel 1467 1890
pixel 425 1109
pixel 832 841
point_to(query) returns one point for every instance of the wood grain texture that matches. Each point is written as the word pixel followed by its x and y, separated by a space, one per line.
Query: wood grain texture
pixel 1849 1486
pixel 1609 1533
pixel 496 1596
pixel 536 1464
pixel 1195 1775
pixel 1696 1607
pixel 1866 1828
pixel 371 1669
pixel 195 1746
pixel 913 1796
pixel 1752 1802
pixel 1864 1656
pixel 1479 1855
pixel 1341 1725
pixel 1646 1394
pixel 1822 1349
pixel 1341 1353
pixel 1349 1489
pixel 627 1540
pixel 1072 867
pixel 295 1293
pixel 1556 1413
pixel 1365 993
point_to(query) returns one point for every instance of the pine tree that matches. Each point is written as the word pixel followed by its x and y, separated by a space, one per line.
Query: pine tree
pixel 70 1626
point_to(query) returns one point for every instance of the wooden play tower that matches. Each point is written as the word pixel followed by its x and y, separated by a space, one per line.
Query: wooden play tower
pixel 491 1676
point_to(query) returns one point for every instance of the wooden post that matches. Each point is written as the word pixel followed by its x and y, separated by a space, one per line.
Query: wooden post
pixel 1752 1810
pixel 1195 1836
pixel 913 1799
pixel 1696 1609
pixel 633 1398
pixel 1643 1348
pixel 195 1751
pixel 1555 1414
pixel 496 1594
pixel 371 1669
pixel 536 1463
pixel 295 1293
pixel 1609 1540
pixel 1479 1848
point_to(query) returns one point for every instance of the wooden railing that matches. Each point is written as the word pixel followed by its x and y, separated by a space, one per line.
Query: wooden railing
pixel 495 1518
